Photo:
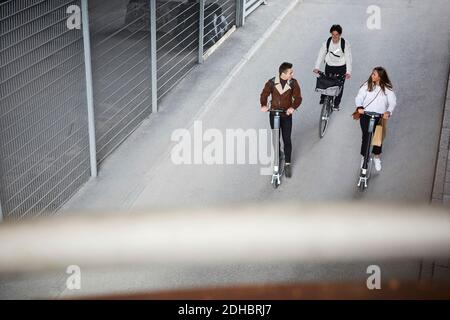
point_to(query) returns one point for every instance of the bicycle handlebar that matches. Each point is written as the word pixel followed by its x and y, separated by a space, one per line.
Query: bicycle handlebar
pixel 336 77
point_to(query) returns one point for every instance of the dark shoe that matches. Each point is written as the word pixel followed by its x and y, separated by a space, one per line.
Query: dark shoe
pixel 322 100
pixel 287 170
pixel 336 108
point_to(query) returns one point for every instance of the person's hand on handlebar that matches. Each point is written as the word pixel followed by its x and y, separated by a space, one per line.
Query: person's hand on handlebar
pixel 360 110
pixel 316 71
pixel 386 115
pixel 264 108
pixel 348 76
pixel 290 111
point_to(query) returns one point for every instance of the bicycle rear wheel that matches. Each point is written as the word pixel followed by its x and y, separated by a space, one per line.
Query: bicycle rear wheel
pixel 324 118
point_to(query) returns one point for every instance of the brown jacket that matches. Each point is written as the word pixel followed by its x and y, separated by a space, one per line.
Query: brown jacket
pixel 289 96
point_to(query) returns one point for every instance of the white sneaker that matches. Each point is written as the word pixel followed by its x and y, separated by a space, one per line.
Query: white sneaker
pixel 377 162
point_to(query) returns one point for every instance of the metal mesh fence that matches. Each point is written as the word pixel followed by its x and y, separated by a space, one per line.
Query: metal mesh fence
pixel 43 135
pixel 220 16
pixel 177 27
pixel 120 45
pixel 44 157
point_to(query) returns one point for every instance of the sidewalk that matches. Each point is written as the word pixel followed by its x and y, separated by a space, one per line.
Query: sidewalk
pixel 441 188
pixel 440 269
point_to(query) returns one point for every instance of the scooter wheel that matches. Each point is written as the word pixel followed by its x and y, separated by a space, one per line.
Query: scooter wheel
pixel 362 187
pixel 275 184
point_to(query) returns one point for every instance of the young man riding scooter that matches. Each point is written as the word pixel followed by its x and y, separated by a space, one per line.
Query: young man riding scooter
pixel 286 95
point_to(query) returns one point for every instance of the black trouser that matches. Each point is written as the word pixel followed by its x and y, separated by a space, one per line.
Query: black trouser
pixel 364 123
pixel 286 129
pixel 330 71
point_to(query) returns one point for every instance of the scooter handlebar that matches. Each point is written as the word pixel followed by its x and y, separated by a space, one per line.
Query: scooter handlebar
pixel 277 110
pixel 373 114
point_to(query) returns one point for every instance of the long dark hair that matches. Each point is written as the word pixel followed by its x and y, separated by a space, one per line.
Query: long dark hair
pixel 385 82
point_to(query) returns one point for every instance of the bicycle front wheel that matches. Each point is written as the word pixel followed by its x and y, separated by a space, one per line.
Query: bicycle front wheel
pixel 324 117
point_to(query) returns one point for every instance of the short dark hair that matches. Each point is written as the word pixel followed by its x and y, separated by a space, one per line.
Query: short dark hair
pixel 284 66
pixel 336 27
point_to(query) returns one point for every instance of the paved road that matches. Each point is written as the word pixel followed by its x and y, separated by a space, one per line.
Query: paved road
pixel 412 44
pixel 413 48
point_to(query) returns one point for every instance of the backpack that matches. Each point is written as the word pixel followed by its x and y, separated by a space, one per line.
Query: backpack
pixel 342 44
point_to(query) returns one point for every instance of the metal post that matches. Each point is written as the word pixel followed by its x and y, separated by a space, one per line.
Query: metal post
pixel 201 30
pixel 1 212
pixel 240 13
pixel 153 62
pixel 89 91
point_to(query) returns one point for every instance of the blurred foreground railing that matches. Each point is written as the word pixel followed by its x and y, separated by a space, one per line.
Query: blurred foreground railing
pixel 323 233
pixel 299 291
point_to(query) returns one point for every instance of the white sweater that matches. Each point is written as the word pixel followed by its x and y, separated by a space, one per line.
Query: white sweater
pixel 331 60
pixel 382 103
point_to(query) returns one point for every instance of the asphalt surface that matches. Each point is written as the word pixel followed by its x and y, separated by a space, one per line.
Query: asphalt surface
pixel 416 57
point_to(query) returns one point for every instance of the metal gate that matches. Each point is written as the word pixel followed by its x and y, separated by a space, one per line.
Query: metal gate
pixel 251 5
pixel 220 16
pixel 120 48
pixel 177 27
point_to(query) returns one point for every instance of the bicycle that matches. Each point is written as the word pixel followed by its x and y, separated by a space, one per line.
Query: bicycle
pixel 366 168
pixel 278 169
pixel 331 87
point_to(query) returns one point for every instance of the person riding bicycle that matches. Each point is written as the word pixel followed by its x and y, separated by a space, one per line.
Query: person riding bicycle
pixel 337 55
pixel 375 95
pixel 286 95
